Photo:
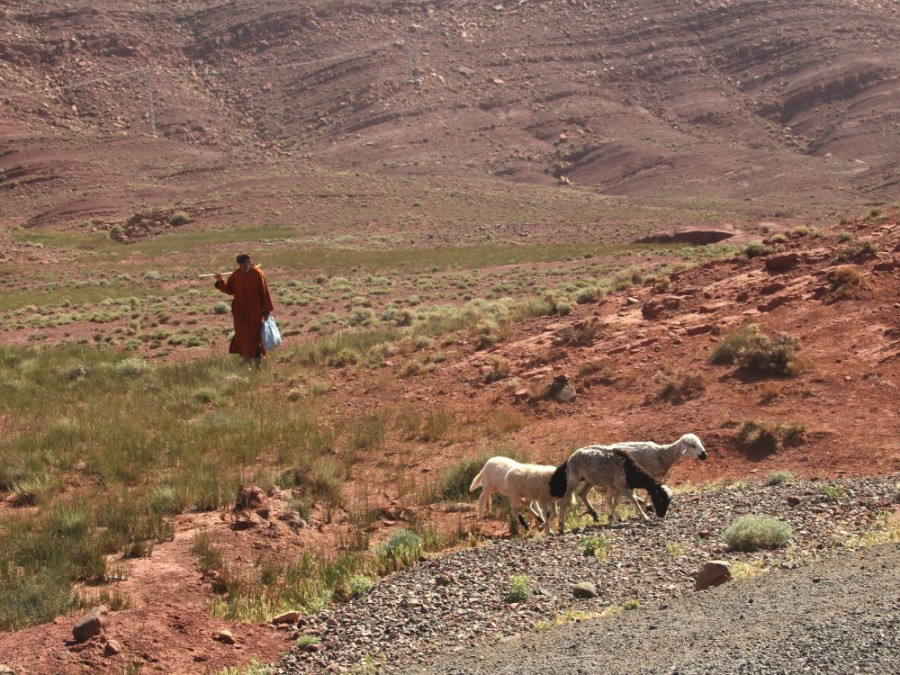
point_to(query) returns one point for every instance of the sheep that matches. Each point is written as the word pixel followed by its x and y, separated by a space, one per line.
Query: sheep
pixel 612 469
pixel 532 483
pixel 492 478
pixel 657 459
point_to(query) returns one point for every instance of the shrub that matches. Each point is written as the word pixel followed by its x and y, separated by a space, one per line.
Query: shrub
pixel 359 584
pixel 760 436
pixel 179 218
pixel 845 283
pixel 800 231
pixel 132 367
pixel 596 547
pixel 519 588
pixel 679 386
pixel 777 239
pixel 751 533
pixel 456 479
pixel 832 493
pixel 768 437
pixel 757 249
pixel 782 477
pixel 343 357
pixel 221 308
pixel 755 352
pixel 498 368
pixel 402 548
pixel 856 249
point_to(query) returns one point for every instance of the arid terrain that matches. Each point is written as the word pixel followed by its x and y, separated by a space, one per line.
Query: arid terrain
pixel 455 204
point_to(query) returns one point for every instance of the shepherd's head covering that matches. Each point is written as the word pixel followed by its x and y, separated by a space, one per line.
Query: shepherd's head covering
pixel 242 258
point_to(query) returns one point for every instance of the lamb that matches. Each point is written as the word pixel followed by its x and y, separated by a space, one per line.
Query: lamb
pixel 492 478
pixel 657 459
pixel 610 468
pixel 533 483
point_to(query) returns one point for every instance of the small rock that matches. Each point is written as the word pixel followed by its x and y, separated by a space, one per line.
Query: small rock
pixel 91 624
pixel 112 648
pixel 793 500
pixel 714 573
pixel 585 589
pixel 782 262
pixel 287 617
pixel 6 670
pixel 225 637
pixel 703 534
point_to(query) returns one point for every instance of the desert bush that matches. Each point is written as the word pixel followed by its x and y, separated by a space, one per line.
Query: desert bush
pixel 752 533
pixel 498 368
pixel 519 588
pixel 678 386
pixel 800 231
pixel 360 584
pixel 777 238
pixel 401 549
pixel 221 308
pixel 845 283
pixel 755 352
pixel 756 249
pixel 855 250
pixel 760 436
pixel 782 477
pixel 596 547
pixel 456 479
pixel 768 437
pixel 832 493
pixel 179 218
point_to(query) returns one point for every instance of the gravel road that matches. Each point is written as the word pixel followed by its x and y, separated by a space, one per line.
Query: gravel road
pixel 450 614
pixel 838 616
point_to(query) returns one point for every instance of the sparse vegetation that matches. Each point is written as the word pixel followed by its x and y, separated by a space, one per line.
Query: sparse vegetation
pixel 519 588
pixel 755 352
pixel 782 477
pixel 596 547
pixel 752 533
pixel 678 386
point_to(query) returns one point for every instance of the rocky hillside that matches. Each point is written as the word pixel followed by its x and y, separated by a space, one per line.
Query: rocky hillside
pixel 769 107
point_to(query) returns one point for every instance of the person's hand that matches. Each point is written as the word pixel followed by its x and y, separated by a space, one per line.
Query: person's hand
pixel 219 276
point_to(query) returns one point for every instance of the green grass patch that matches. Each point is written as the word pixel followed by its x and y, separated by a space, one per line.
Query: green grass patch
pixel 752 533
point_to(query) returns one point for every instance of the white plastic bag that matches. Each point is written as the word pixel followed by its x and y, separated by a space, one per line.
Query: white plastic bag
pixel 271 337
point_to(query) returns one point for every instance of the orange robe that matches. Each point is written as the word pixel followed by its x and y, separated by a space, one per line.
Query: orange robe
pixel 251 301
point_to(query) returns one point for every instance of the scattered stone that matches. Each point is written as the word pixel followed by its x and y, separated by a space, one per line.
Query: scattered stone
pixel 584 590
pixel 287 617
pixel 714 573
pixel 251 497
pixel 781 262
pixel 654 307
pixel 91 624
pixel 794 500
pixel 112 648
pixel 225 637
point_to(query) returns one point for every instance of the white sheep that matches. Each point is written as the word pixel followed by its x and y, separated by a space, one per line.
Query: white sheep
pixel 494 477
pixel 656 459
pixel 612 469
pixel 491 478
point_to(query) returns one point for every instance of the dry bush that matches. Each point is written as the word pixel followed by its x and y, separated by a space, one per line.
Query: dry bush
pixel 845 282
pixel 679 386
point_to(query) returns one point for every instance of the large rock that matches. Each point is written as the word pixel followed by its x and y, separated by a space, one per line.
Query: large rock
pixel 91 624
pixel 714 573
pixel 585 590
pixel 693 236
pixel 654 307
pixel 781 262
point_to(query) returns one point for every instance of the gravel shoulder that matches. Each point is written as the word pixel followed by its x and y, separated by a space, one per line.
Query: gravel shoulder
pixel 451 613
pixel 837 616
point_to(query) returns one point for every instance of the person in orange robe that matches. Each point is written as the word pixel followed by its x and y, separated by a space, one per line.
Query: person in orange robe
pixel 250 307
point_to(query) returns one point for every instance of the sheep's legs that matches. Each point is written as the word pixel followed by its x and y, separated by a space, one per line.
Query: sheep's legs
pixel 587 502
pixel 634 500
pixel 484 502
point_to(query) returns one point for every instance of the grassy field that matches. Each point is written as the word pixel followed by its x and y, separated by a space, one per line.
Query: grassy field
pixel 103 446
